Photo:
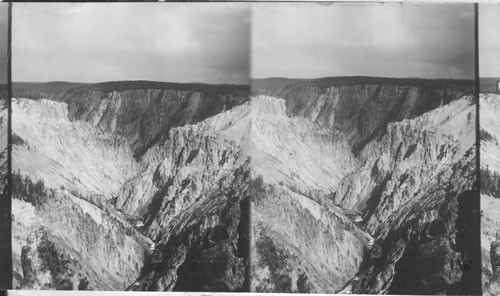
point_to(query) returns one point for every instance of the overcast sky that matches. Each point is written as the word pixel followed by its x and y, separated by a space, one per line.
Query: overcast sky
pixel 92 42
pixel 394 40
pixel 3 42
pixel 489 40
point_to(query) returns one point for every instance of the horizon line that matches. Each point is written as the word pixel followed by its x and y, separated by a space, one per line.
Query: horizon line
pixel 364 76
pixel 125 80
pixel 250 79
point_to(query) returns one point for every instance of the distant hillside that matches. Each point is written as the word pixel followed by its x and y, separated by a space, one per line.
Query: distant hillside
pixel 412 82
pixel 3 91
pixel 142 84
pixel 39 90
pixel 274 85
pixel 57 90
pixel 489 85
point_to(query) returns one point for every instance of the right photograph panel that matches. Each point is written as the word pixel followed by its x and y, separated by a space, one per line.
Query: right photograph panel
pixel 489 71
pixel 363 149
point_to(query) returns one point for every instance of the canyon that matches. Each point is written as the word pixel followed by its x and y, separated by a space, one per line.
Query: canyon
pixel 406 186
pixel 346 184
pixel 91 200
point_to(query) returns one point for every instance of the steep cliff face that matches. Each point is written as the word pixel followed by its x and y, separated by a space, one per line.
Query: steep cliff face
pixel 490 131
pixel 407 190
pixel 206 247
pixel 294 151
pixel 82 244
pixel 75 155
pixel 299 245
pixel 300 242
pixel 361 107
pixel 144 115
pixel 410 152
pixel 184 157
pixel 411 191
pixel 155 220
pixel 490 187
pixel 73 170
pixel 192 193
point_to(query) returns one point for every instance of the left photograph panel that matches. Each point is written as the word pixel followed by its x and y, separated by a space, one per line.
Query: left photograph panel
pixel 126 165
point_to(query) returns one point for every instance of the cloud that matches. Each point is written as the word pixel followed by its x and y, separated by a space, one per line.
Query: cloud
pixel 396 40
pixel 112 41
pixel 3 42
pixel 210 42
pixel 489 40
